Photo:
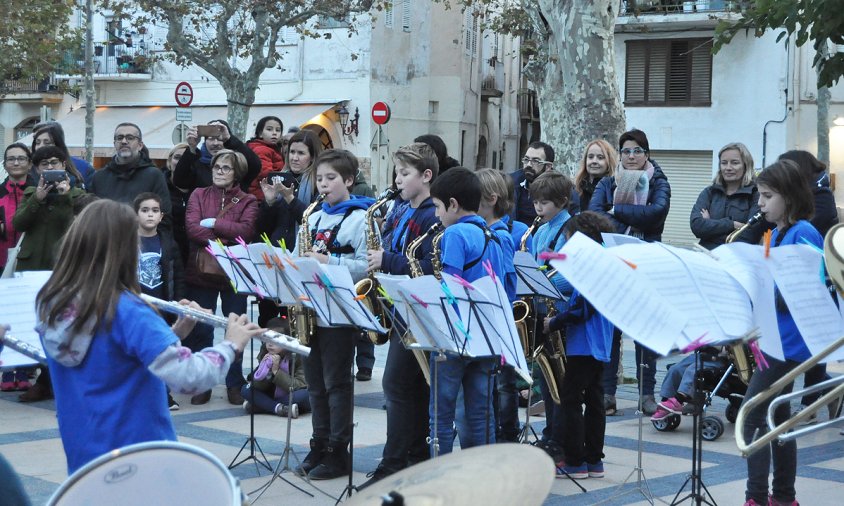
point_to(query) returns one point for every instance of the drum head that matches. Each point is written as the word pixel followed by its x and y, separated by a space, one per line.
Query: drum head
pixel 151 473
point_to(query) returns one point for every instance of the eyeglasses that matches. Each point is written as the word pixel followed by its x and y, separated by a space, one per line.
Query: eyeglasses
pixel 17 159
pixel 536 162
pixel 223 169
pixel 632 151
pixel 53 162
pixel 127 138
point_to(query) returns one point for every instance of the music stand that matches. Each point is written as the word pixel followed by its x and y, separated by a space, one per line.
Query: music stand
pixel 251 440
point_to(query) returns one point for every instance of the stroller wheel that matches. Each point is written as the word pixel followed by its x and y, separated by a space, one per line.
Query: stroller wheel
pixel 731 412
pixel 711 428
pixel 667 424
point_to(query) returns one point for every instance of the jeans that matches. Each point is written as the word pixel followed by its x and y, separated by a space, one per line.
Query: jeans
pixel 784 455
pixel 583 437
pixel 328 371
pixel 202 336
pixel 473 375
pixel 365 351
pixel 508 404
pixel 680 378
pixel 813 376
pixel 609 378
pixel 407 395
pixel 647 381
pixel 266 403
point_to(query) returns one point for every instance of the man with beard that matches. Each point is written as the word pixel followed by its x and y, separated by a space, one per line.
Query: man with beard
pixel 130 172
pixel 539 158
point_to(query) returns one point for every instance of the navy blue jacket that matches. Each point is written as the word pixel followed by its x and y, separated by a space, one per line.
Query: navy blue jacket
pixel 648 219
pixel 422 219
pixel 723 211
pixel 523 205
pixel 826 214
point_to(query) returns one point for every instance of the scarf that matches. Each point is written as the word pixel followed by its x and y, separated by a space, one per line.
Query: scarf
pixel 306 187
pixel 632 185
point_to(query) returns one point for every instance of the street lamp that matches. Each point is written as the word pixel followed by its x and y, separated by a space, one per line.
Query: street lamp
pixel 346 126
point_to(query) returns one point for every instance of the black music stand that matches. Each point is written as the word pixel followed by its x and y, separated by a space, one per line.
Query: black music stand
pixel 251 440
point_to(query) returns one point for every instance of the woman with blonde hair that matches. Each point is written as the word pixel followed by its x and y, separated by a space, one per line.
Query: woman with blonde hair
pixel 729 202
pixel 599 160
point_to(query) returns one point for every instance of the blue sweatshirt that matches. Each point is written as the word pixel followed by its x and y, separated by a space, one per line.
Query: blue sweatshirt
pixel 403 225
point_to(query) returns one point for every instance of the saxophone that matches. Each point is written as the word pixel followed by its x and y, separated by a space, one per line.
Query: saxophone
pixel 739 352
pixel 551 355
pixel 416 271
pixel 524 315
pixel 368 287
pixel 304 319
pixel 436 260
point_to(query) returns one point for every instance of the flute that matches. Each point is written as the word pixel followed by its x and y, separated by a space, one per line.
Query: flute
pixel 270 336
pixel 23 348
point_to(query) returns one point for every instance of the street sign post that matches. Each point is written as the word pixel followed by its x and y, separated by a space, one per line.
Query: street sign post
pixel 380 113
pixel 184 98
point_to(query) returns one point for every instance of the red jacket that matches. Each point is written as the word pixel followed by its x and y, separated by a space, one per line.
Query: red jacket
pixel 271 161
pixel 11 194
pixel 237 221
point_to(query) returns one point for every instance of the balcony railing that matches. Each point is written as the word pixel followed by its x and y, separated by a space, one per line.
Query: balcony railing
pixel 636 7
pixel 492 84
pixel 9 86
pixel 110 58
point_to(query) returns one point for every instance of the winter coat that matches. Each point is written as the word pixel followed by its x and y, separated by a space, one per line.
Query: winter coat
pixel 45 223
pixel 194 169
pixel 523 209
pixel 11 196
pixel 125 182
pixel 179 204
pixel 238 221
pixel 271 161
pixel 723 211
pixel 648 219
pixel 826 214
pixel 361 187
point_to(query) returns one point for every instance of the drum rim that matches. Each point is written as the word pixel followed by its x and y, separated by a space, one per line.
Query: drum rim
pixel 139 447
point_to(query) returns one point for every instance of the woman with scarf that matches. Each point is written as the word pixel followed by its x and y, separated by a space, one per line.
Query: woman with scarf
pixel 599 161
pixel 636 199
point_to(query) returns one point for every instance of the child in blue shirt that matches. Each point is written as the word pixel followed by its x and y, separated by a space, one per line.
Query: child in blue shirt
pixel 588 341
pixel 467 243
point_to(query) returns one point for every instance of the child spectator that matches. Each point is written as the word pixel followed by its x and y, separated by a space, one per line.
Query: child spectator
pixel 265 145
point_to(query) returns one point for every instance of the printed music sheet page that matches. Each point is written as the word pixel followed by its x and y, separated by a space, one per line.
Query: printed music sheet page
pixel 627 300
pixel 17 308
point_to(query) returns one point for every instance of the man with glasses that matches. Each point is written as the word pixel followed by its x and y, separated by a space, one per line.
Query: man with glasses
pixel 130 172
pixel 538 158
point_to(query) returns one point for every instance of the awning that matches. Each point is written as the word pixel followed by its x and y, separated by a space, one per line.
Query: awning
pixel 158 123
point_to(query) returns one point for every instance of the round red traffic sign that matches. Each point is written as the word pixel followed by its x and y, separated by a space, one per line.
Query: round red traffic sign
pixel 184 94
pixel 380 113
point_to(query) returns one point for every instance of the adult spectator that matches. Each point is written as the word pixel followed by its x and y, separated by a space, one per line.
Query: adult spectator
pixel 539 158
pixel 17 161
pixel 599 161
pixel 728 203
pixel 178 200
pixel 130 172
pixel 194 168
pixel 636 199
pixel 51 133
pixel 222 211
pixel 444 161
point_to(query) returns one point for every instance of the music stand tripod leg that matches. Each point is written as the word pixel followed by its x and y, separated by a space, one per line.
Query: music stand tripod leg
pixel 251 440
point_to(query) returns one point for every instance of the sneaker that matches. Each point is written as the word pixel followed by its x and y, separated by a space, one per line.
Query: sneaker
pixel 364 374
pixel 283 410
pixel 202 398
pixel 690 408
pixel 671 405
pixel 233 393
pixel 580 472
pixel 648 404
pixel 247 407
pixel 378 474
pixel 171 403
pixel 596 470
pixel 609 405
pixel 23 385
pixel 537 409
pixel 7 386
pixel 661 414
pixel 774 502
pixel 813 418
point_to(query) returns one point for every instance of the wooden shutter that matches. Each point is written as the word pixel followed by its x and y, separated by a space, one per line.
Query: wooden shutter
pixel 701 72
pixel 635 68
pixel 688 173
pixel 405 16
pixel 388 16
pixel 658 65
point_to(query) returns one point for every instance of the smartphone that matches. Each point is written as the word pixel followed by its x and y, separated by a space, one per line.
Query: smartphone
pixel 54 176
pixel 285 178
pixel 209 130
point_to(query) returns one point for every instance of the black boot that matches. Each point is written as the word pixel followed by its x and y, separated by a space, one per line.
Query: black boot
pixel 334 464
pixel 313 458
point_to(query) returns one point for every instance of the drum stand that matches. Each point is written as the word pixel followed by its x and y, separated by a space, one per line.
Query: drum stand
pixel 642 486
pixel 251 441
pixel 695 478
pixel 284 461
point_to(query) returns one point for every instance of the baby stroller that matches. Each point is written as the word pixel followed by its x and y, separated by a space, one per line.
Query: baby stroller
pixel 724 374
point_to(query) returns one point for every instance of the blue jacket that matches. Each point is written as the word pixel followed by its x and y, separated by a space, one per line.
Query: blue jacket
pixel 549 237
pixel 508 249
pixel 422 219
pixel 648 219
pixel 588 333
pixel 723 211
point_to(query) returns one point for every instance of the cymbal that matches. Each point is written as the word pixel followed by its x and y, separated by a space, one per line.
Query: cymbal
pixel 492 475
pixel 833 253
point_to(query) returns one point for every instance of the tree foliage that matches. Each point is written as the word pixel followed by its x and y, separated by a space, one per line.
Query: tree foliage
pixel 818 21
pixel 34 37
pixel 234 40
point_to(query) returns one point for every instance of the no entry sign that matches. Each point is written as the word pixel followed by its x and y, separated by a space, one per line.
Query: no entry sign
pixel 380 113
pixel 184 94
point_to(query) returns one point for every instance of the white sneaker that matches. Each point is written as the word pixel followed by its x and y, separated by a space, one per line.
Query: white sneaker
pixel 812 419
pixel 282 410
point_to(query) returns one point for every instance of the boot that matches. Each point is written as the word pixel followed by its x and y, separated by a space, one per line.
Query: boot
pixel 334 464
pixel 313 458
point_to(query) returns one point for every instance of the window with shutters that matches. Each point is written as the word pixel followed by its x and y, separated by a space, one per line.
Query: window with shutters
pixel 388 16
pixel 470 32
pixel 405 16
pixel 668 72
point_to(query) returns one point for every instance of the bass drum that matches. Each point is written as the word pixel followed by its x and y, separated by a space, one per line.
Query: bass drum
pixel 143 474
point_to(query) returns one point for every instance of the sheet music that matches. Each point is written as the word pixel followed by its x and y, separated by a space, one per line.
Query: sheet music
pixel 530 280
pixel 613 288
pixel 280 285
pixel 241 283
pixel 611 240
pixel 399 310
pixel 17 308
pixel 332 294
pixel 431 316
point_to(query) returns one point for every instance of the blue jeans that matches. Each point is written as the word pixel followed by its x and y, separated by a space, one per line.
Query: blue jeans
pixel 364 351
pixel 264 402
pixel 449 375
pixel 784 456
pixel 202 336
pixel 508 404
pixel 681 378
